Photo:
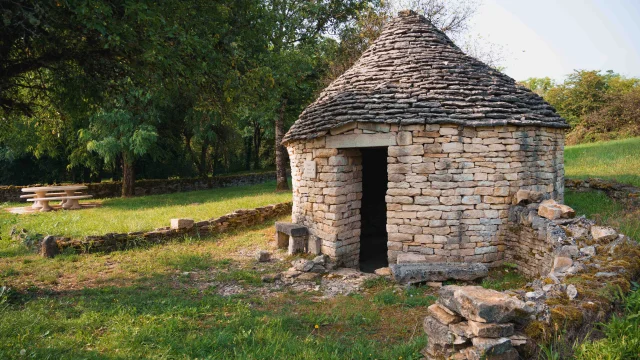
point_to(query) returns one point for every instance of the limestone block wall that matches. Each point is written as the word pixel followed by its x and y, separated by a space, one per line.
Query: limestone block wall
pixel 328 203
pixel 449 187
pixel 532 241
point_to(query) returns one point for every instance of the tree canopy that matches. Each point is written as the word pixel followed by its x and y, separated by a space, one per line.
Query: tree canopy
pixel 98 89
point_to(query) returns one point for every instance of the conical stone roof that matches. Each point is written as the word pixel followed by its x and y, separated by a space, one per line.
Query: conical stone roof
pixel 414 74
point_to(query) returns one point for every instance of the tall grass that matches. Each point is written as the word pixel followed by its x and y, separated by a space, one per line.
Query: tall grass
pixel 622 339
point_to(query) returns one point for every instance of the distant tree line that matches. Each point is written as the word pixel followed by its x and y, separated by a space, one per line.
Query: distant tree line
pixel 598 105
pixel 126 89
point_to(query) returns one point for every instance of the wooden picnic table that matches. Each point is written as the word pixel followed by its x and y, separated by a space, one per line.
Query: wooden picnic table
pixel 69 200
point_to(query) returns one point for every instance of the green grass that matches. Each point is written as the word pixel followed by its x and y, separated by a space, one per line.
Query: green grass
pixel 143 213
pixel 622 333
pixel 164 302
pixel 618 159
pixel 598 206
pixel 504 278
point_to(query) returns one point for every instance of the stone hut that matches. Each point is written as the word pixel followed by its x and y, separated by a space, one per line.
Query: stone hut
pixel 416 154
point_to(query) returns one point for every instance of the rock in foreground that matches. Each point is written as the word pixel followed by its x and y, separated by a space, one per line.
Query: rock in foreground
pixel 423 272
pixel 482 305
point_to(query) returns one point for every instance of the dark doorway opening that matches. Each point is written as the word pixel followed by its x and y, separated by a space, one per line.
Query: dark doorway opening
pixel 373 231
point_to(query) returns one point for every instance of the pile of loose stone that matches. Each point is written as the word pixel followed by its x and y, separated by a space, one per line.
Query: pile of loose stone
pixel 470 322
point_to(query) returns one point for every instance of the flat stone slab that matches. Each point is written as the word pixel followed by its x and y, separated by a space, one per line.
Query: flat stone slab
pixel 408 273
pixel 482 305
pixel 291 229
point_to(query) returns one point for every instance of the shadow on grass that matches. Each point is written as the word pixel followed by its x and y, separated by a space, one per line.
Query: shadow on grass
pixel 155 318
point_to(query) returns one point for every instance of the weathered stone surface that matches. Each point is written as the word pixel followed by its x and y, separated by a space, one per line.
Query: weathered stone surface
pixel 534 295
pixel 588 251
pixel 527 196
pixel 320 260
pixel 314 245
pixel 551 210
pixel 182 223
pixel 602 233
pixel 360 140
pixel 440 314
pixel 473 353
pixel 421 272
pixel 439 334
pixel 561 264
pixel 270 278
pixel 489 346
pixel 410 258
pixel 303 265
pixel 297 244
pixel 309 276
pixel 385 271
pixel 482 305
pixel 291 273
pixel 49 247
pixel 263 256
pixel 490 330
pixel 291 229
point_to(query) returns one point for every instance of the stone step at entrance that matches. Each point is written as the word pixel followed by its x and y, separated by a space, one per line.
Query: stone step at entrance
pixel 411 273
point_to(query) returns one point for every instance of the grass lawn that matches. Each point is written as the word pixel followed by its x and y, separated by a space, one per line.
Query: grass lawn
pixel 204 298
pixel 599 207
pixel 618 159
pixel 143 213
pixel 167 301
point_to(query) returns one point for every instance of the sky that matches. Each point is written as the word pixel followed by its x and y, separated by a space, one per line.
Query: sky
pixel 552 38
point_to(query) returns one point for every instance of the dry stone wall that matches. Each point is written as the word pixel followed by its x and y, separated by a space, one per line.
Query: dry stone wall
pixel 53 245
pixel 580 271
pixel 327 197
pixel 153 186
pixel 449 187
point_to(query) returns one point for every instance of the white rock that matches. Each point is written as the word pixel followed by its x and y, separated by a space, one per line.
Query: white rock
pixel 572 292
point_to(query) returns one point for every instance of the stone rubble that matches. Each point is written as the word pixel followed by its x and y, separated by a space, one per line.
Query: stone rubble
pixel 263 256
pixel 470 322
pixel 481 323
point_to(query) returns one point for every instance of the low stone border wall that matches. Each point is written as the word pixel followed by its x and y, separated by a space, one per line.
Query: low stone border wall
pixel 153 186
pixel 628 194
pixel 583 269
pixel 53 245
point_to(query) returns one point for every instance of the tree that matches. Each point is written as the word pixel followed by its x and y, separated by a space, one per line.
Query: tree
pixel 127 128
pixel 452 17
pixel 540 86
pixel 296 26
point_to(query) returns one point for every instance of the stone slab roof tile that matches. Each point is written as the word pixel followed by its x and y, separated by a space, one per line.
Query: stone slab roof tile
pixel 414 74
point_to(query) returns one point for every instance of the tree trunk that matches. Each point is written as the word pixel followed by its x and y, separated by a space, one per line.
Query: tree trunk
pixel 257 142
pixel 202 167
pixel 281 151
pixel 128 176
pixel 247 156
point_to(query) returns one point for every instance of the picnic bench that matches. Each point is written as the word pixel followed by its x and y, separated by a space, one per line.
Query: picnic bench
pixel 68 195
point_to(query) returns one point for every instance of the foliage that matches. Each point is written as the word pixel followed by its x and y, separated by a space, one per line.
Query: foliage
pixel 598 106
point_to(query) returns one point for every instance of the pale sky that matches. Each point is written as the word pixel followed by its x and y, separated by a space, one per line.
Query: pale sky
pixel 552 38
